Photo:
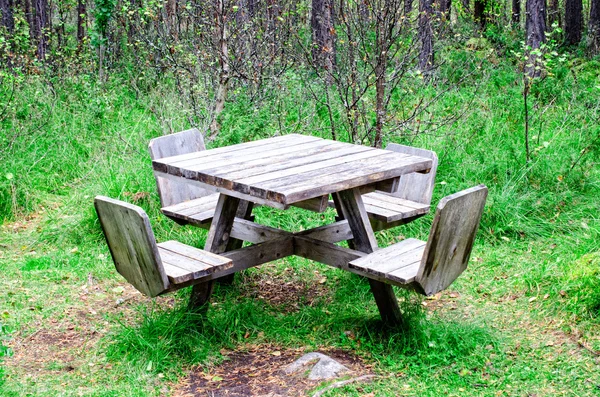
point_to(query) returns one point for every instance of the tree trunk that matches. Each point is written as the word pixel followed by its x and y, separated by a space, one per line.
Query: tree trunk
pixel 516 11
pixel 573 21
pixel 479 13
pixel 223 88
pixel 321 21
pixel 408 6
pixel 425 36
pixel 535 25
pixel 553 14
pixel 445 7
pixel 171 8
pixel 81 20
pixel 8 20
pixel 593 36
pixel 41 27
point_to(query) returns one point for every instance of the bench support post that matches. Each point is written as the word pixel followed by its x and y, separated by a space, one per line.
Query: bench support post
pixel 353 210
pixel 216 242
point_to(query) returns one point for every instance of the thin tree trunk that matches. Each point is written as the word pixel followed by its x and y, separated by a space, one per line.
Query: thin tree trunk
pixel 516 11
pixel 553 14
pixel 322 30
pixel 8 20
pixel 479 13
pixel 535 25
pixel 573 21
pixel 223 88
pixel 380 77
pixel 408 6
pixel 593 36
pixel 171 8
pixel 41 24
pixel 81 20
pixel 425 36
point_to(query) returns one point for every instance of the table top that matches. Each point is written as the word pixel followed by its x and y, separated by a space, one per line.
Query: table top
pixel 288 169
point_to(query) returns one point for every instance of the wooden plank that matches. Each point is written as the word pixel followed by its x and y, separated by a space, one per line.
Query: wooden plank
pixel 255 233
pixel 416 186
pixel 359 173
pixel 132 245
pixel 177 275
pixel 216 242
pixel 324 252
pixel 406 274
pixel 389 208
pixel 176 191
pixel 451 239
pixel 247 257
pixel 261 158
pixel 317 204
pixel 306 172
pixel 350 202
pixel 385 255
pixel 280 163
pixel 233 193
pixel 238 150
pixel 332 233
pixel 194 253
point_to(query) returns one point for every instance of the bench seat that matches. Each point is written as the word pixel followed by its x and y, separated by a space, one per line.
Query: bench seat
pixel 387 208
pixel 198 211
pixel 397 264
pixel 183 263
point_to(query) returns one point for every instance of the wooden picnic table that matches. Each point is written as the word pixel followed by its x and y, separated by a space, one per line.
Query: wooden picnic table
pixel 290 170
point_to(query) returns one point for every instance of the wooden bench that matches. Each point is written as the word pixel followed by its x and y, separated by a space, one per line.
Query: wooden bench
pixel 152 268
pixel 412 197
pixel 182 201
pixel 431 266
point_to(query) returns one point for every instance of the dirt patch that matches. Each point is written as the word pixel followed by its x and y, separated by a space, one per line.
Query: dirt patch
pixel 258 372
pixel 287 291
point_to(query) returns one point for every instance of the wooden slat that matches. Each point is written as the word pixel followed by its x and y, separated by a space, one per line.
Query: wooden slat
pixel 232 151
pixel 175 191
pixel 239 165
pixel 352 208
pixel 405 275
pixel 177 275
pixel 451 239
pixel 194 253
pixel 324 252
pixel 416 186
pixel 353 174
pixel 389 208
pixel 132 245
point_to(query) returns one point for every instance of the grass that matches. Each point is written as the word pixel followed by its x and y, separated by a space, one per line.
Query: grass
pixel 522 320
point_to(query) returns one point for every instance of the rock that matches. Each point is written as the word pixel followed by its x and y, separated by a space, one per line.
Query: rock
pixel 323 367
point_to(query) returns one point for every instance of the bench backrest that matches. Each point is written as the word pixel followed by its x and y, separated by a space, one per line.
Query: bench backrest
pixel 173 192
pixel 132 245
pixel 451 239
pixel 415 186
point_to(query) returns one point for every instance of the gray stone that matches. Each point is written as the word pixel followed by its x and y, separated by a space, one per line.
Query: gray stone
pixel 323 367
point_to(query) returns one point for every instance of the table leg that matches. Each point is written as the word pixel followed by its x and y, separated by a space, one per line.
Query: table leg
pixel 244 211
pixel 352 208
pixel 216 242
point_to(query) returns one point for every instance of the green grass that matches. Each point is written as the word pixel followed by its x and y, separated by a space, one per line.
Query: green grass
pixel 522 320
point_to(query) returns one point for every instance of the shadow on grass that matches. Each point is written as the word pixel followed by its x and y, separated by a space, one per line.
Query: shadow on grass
pixel 166 340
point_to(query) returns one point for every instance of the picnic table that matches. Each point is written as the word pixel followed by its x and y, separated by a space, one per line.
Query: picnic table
pixel 292 170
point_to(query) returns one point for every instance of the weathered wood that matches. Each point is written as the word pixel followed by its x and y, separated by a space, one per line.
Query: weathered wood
pixel 397 264
pixel 324 252
pixel 415 186
pixel 364 240
pixel 216 242
pixel 388 208
pixel 195 212
pixel 176 191
pixel 255 233
pixel 132 245
pixel 332 233
pixel 451 239
pixel 430 267
pixel 151 268
pixel 286 170
pixel 247 257
pixel 244 212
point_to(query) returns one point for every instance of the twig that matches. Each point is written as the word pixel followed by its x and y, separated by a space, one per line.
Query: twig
pixel 342 383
